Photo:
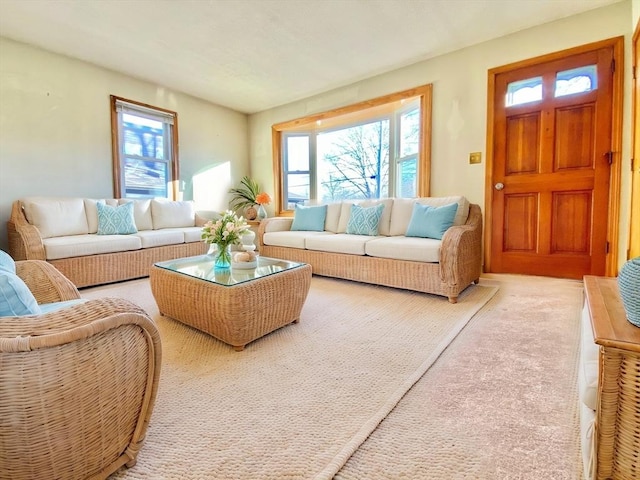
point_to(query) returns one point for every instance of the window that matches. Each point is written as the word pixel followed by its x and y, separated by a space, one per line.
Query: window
pixel 567 82
pixel 144 139
pixel 576 80
pixel 375 149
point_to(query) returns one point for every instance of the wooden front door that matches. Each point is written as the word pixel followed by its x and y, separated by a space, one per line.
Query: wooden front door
pixel 549 181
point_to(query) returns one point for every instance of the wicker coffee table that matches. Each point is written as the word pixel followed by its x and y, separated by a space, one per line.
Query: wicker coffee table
pixel 236 306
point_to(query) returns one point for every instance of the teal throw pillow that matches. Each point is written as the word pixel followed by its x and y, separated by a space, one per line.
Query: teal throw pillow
pixel 6 262
pixel 364 220
pixel 309 218
pixel 431 222
pixel 116 220
pixel 15 297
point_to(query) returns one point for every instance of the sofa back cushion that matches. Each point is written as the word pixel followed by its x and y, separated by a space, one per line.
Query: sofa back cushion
pixel 385 218
pixel 172 214
pixel 141 212
pixel 403 209
pixel 56 217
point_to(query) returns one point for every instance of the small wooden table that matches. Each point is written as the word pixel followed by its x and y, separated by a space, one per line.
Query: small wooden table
pixel 236 306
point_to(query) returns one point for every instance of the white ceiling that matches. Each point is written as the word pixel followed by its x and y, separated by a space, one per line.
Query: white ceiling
pixel 252 55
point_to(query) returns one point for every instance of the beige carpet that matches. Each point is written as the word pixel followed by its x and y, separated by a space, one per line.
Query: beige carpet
pixel 499 404
pixel 297 403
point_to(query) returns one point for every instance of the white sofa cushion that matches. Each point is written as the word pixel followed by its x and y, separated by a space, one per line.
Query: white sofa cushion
pixel 333 217
pixel 158 238
pixel 293 239
pixel 90 244
pixel 589 360
pixel 56 217
pixel 403 208
pixel 91 211
pixel 338 243
pixel 405 248
pixel 385 219
pixel 191 234
pixel 587 421
pixel 172 214
pixel 141 212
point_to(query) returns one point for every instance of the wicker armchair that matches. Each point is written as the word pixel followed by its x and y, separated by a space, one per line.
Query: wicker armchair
pixel 77 385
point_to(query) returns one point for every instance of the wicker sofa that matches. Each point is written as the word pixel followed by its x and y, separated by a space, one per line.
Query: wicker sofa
pixel 78 380
pixel 443 266
pixel 65 232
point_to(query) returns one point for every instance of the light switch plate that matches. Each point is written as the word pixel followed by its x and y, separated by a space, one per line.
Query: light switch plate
pixel 475 157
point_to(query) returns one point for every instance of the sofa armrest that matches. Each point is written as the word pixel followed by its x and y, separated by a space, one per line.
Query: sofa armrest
pixel 46 282
pixel 461 250
pixel 273 224
pixel 25 242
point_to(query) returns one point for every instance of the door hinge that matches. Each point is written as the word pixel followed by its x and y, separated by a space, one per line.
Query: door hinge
pixel 633 72
pixel 609 156
pixel 606 247
pixel 613 65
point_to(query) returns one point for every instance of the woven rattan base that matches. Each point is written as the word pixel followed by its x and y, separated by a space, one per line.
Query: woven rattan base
pixel 237 314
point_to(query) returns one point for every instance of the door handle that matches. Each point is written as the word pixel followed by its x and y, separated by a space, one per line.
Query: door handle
pixel 499 186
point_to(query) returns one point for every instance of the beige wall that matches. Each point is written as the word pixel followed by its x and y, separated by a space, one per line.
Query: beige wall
pixel 55 132
pixel 459 100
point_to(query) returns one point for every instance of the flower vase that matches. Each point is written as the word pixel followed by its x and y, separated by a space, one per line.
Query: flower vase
pixel 262 213
pixel 223 257
pixel 629 284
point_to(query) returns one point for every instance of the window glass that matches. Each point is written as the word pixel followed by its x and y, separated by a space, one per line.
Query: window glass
pixel 524 91
pixel 297 153
pixel 369 153
pixel 353 162
pixel 576 80
pixel 409 132
pixel 407 178
pixel 145 155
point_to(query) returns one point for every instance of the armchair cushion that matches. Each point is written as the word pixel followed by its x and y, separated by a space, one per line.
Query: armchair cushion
pixel 15 297
pixel 55 306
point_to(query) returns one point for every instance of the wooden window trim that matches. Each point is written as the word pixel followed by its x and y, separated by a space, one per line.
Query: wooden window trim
pixel 424 93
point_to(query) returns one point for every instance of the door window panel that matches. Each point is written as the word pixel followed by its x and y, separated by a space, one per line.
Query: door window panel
pixel 524 91
pixel 576 80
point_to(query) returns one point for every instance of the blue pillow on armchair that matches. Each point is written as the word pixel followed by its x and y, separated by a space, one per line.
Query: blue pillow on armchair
pixel 15 297
pixel 6 262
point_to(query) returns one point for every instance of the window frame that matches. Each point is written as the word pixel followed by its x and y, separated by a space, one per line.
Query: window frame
pixel 357 111
pixel 116 144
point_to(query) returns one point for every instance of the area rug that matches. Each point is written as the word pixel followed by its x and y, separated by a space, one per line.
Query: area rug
pixel 297 403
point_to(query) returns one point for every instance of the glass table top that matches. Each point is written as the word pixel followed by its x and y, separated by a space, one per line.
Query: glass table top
pixel 201 267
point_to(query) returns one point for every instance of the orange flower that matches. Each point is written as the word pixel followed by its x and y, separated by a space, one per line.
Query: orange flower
pixel 263 199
